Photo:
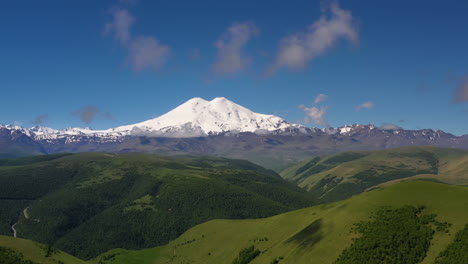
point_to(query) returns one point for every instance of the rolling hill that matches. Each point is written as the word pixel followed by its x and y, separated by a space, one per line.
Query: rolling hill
pixel 88 203
pixel 340 176
pixel 319 234
pixel 22 251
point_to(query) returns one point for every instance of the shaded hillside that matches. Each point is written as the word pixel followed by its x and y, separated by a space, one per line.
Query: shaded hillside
pixel 88 203
pixel 342 175
pixel 15 143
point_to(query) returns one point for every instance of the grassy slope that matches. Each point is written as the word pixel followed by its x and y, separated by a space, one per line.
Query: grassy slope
pixel 89 203
pixel 219 241
pixel 36 252
pixel 359 171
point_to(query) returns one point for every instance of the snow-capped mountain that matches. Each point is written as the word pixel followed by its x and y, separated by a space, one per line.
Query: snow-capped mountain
pixel 199 117
pixel 194 118
pixel 219 127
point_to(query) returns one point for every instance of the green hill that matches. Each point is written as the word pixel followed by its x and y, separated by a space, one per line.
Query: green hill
pixel 88 203
pixel 340 176
pixel 321 234
pixel 21 251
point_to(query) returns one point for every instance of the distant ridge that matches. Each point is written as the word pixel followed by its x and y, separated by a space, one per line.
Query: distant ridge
pixel 220 127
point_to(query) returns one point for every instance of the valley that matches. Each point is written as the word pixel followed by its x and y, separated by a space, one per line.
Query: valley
pixel 234 132
pixel 161 209
pixel 82 203
pixel 317 234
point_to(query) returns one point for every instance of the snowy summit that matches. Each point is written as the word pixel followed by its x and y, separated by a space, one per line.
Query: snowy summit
pixel 194 118
pixel 199 117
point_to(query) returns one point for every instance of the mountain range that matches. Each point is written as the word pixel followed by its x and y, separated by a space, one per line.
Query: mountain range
pixel 219 127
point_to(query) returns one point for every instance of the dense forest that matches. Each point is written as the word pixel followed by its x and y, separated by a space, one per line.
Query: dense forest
pixel 86 204
pixel 401 235
pixel 457 251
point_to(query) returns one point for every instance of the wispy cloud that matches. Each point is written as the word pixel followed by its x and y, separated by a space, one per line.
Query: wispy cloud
pixel 461 93
pixel 230 57
pixel 147 52
pixel 366 105
pixel 120 25
pixel 40 119
pixel 87 113
pixel 388 126
pixel 316 114
pixel 320 98
pixel 144 52
pixel 298 50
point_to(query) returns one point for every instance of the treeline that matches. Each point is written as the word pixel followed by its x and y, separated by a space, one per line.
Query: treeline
pixel 246 255
pixel 401 235
pixel 457 251
pixel 9 256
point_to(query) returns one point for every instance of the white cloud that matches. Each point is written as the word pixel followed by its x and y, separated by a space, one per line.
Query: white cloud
pixel 366 105
pixel 462 91
pixel 315 114
pixel 320 98
pixel 144 52
pixel 120 25
pixel 230 57
pixel 87 113
pixel 388 126
pixel 18 123
pixel 296 51
pixel 40 119
pixel 147 52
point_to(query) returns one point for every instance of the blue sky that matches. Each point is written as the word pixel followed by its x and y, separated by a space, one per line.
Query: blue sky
pixel 109 63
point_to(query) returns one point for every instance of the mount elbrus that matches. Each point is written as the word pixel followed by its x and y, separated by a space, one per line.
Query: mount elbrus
pixel 218 127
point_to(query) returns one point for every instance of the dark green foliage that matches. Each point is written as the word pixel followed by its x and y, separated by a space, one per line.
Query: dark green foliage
pixel 325 184
pixel 30 160
pixel 427 156
pixel 49 251
pixel 86 204
pixel 344 157
pixel 10 211
pixel 307 165
pixel 9 256
pixel 457 251
pixel 31 182
pixel 400 236
pixel 246 255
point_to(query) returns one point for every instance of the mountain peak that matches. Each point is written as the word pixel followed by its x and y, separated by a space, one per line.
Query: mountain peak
pixel 199 117
pixel 196 100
